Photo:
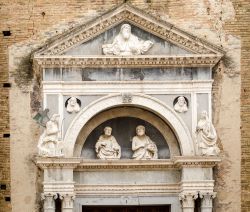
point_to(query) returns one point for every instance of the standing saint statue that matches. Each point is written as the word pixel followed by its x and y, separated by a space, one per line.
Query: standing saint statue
pixel 126 44
pixel 206 136
pixel 144 148
pixel 49 144
pixel 107 147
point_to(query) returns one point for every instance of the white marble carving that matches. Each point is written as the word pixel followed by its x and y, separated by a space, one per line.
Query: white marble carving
pixel 107 146
pixel 50 144
pixel 73 105
pixel 144 148
pixel 127 97
pixel 126 44
pixel 181 105
pixel 206 136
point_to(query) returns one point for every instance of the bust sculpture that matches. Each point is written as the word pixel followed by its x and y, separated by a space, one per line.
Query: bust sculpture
pixel 126 44
pixel 206 136
pixel 181 105
pixel 144 148
pixel 73 105
pixel 49 144
pixel 107 147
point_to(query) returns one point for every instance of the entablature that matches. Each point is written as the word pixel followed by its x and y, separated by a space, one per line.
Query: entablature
pixel 139 61
pixel 80 164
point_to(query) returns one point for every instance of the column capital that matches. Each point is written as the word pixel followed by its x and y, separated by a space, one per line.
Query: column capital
pixel 187 199
pixel 207 199
pixel 49 195
pixel 67 201
pixel 49 201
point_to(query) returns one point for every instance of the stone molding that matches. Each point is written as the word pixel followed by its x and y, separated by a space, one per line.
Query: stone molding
pixel 140 61
pixel 140 100
pixel 137 17
pixel 150 87
pixel 110 190
pixel 79 164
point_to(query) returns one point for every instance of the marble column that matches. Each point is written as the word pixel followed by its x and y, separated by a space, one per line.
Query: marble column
pixel 207 201
pixel 49 202
pixel 67 202
pixel 187 200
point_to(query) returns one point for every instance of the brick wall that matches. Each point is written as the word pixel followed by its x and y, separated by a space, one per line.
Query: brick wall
pixel 27 19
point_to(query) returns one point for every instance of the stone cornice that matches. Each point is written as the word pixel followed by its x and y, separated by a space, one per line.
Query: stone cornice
pixel 126 12
pixel 80 164
pixel 141 61
pixel 205 162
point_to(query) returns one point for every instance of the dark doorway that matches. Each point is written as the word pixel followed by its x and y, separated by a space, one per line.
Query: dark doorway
pixel 156 208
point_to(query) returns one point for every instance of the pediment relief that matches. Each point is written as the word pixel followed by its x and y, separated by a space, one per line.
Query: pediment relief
pixel 140 42
pixel 110 23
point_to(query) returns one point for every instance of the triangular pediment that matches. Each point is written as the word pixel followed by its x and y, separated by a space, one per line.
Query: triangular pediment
pixel 77 40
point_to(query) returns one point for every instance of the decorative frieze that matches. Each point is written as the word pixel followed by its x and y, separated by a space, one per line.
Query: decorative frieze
pixel 140 61
pixel 82 164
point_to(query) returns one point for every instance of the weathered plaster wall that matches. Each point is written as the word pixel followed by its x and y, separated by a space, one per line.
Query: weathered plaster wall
pixel 33 22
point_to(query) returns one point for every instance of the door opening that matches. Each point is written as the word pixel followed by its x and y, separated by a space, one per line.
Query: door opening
pixel 155 208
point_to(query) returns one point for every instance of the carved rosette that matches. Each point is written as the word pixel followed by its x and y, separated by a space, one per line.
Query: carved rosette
pixel 187 199
pixel 127 98
pixel 49 201
pixel 207 201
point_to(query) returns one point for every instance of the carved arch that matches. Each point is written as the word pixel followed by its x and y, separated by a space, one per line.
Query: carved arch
pixel 140 100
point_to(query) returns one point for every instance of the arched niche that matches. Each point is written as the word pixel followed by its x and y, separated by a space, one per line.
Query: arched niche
pixel 157 107
pixel 124 120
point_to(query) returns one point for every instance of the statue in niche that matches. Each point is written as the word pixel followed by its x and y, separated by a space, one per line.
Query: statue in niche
pixel 181 105
pixel 126 44
pixel 107 147
pixel 206 136
pixel 73 105
pixel 49 144
pixel 144 148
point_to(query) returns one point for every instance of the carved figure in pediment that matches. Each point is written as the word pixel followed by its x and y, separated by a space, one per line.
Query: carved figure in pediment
pixel 206 136
pixel 144 148
pixel 73 105
pixel 181 105
pixel 126 44
pixel 107 147
pixel 49 144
